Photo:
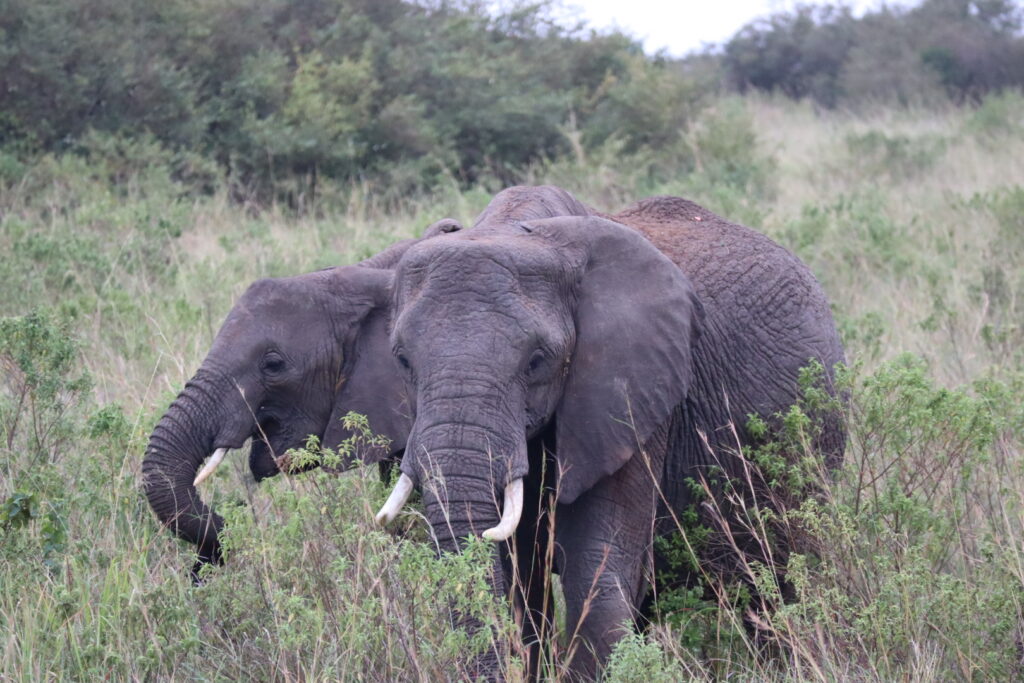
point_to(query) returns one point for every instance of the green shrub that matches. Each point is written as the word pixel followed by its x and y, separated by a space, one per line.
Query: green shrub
pixel 317 589
pixel 887 578
pixel 998 114
pixel 42 379
pixel 996 288
pixel 41 385
pixel 898 157
pixel 900 55
pixel 638 660
pixel 732 173
pixel 853 230
pixel 286 103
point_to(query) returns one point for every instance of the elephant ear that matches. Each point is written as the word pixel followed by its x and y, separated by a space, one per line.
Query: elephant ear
pixel 637 318
pixel 371 384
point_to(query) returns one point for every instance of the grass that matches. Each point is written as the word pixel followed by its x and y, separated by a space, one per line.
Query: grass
pixel 912 557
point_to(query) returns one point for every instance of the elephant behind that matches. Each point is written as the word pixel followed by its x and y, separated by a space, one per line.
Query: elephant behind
pixel 766 318
pixel 292 357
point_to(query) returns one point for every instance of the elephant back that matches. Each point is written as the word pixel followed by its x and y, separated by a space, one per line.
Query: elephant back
pixel 766 317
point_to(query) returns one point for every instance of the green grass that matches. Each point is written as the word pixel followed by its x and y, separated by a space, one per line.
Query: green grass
pixel 912 559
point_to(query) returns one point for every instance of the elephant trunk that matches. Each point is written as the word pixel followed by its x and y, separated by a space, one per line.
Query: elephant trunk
pixel 471 478
pixel 461 510
pixel 459 507
pixel 186 434
pixel 470 475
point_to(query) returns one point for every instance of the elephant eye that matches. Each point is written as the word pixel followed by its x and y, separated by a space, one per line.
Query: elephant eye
pixel 403 361
pixel 273 363
pixel 536 361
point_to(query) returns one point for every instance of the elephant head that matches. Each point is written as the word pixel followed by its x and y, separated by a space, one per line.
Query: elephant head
pixel 293 356
pixel 575 328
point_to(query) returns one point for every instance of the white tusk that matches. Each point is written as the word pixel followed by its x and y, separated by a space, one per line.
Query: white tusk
pixel 210 466
pixel 510 514
pixel 393 505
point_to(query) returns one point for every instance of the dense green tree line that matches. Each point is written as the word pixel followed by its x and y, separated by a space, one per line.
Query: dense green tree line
pixel 961 49
pixel 278 95
pixel 338 88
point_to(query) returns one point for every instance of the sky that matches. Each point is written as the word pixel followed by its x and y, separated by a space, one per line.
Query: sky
pixel 681 26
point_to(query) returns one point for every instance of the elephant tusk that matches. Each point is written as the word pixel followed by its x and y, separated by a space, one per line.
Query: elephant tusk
pixel 393 505
pixel 511 513
pixel 210 466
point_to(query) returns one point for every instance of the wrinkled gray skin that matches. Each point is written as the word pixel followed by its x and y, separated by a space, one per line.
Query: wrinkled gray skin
pixel 766 318
pixel 550 343
pixel 293 356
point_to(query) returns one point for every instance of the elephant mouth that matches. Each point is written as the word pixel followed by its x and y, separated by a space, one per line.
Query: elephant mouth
pixel 269 453
pixel 263 451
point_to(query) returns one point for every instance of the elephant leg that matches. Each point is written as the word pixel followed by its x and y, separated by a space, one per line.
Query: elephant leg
pixel 604 542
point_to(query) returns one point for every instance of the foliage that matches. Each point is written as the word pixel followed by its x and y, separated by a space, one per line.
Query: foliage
pixel 999 115
pixel 902 571
pixel 316 588
pixel 304 104
pixel 885 571
pixel 965 48
pixel 286 98
pixel 41 382
pixel 716 160
pixel 800 54
pixel 40 386
pixel 637 660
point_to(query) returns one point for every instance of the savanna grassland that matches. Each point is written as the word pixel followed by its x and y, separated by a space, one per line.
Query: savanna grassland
pixel 115 277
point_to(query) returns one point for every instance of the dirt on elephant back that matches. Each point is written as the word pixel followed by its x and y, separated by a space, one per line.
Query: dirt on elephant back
pixel 676 225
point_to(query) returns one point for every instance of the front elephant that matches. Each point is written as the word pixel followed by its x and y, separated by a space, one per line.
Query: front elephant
pixel 569 335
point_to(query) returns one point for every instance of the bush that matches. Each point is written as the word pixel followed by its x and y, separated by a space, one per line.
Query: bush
pixel 42 379
pixel 997 115
pixel 899 573
pixel 799 54
pixel 41 383
pixel 637 660
pixel 899 157
pixel 906 55
pixel 732 173
pixel 288 100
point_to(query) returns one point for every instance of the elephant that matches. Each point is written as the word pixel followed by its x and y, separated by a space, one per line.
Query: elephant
pixel 566 371
pixel 292 357
pixel 766 318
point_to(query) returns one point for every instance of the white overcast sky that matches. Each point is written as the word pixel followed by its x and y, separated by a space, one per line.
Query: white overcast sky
pixel 681 26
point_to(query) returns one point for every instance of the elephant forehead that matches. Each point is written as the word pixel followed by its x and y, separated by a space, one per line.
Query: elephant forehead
pixel 281 314
pixel 482 303
pixel 484 264
pixel 483 291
